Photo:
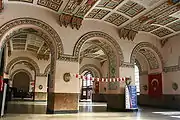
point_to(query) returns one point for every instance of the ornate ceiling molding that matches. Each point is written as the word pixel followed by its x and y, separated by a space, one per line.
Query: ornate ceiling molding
pixel 144 45
pixel 22 59
pixel 95 34
pixel 127 33
pixel 21 70
pixel 73 21
pixel 68 58
pixel 92 68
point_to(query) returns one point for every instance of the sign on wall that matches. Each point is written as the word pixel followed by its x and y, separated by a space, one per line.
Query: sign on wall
pixel 131 97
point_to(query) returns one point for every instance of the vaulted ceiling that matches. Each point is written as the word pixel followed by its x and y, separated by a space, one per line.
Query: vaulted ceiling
pixel 26 40
pixel 93 51
pixel 157 17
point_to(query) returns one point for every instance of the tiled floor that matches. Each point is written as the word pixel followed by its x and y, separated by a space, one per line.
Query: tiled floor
pixel 88 111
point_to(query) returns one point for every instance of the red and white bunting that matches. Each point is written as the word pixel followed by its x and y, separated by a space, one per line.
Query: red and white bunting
pixel 123 79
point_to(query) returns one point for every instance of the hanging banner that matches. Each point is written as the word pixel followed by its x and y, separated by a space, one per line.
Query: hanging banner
pixel 155 85
pixel 131 97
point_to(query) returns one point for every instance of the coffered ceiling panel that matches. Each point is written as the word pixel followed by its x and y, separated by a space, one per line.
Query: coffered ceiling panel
pixel 116 19
pixel 175 26
pixel 51 4
pixel 131 8
pixel 110 4
pixel 29 1
pixel 161 32
pixel 97 14
pixel 26 40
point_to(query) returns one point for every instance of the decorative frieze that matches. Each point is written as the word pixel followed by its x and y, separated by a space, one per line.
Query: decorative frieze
pixel 127 65
pixel 68 58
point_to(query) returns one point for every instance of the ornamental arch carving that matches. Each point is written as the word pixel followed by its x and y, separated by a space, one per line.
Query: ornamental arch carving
pixel 98 34
pixel 35 23
pixel 21 70
pixel 151 51
pixel 93 68
pixel 45 30
pixel 23 59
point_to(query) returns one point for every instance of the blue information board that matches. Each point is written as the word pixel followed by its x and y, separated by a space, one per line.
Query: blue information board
pixel 131 97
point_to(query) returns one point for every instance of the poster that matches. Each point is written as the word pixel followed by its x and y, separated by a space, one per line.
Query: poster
pixel 131 97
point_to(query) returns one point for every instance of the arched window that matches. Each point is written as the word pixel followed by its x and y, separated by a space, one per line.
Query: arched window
pixel 137 80
pixel 88 82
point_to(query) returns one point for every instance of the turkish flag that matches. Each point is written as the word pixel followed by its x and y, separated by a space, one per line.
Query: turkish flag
pixel 155 85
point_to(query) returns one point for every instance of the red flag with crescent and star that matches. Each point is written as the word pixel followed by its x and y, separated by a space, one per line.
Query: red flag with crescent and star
pixel 155 85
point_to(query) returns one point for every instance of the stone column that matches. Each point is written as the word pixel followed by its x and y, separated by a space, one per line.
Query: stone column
pixel 65 96
pixel 116 98
pixel 40 93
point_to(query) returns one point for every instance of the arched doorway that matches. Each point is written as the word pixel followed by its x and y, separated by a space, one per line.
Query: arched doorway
pixel 148 64
pixel 39 29
pixel 101 50
pixel 21 81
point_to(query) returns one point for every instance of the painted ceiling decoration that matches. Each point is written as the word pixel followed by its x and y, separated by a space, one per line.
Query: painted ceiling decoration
pixel 74 12
pixel 25 40
pixel 29 1
pixel 158 17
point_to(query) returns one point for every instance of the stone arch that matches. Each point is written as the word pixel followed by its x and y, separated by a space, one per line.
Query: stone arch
pixel 23 59
pixel 99 34
pixel 147 45
pixel 138 65
pixel 47 69
pixel 56 46
pixel 91 67
pixel 38 23
pixel 21 70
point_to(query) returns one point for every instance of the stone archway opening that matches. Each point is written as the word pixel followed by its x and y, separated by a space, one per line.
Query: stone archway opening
pixel 36 38
pixel 103 52
pixel 28 66
pixel 86 85
pixel 148 60
pixel 21 82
